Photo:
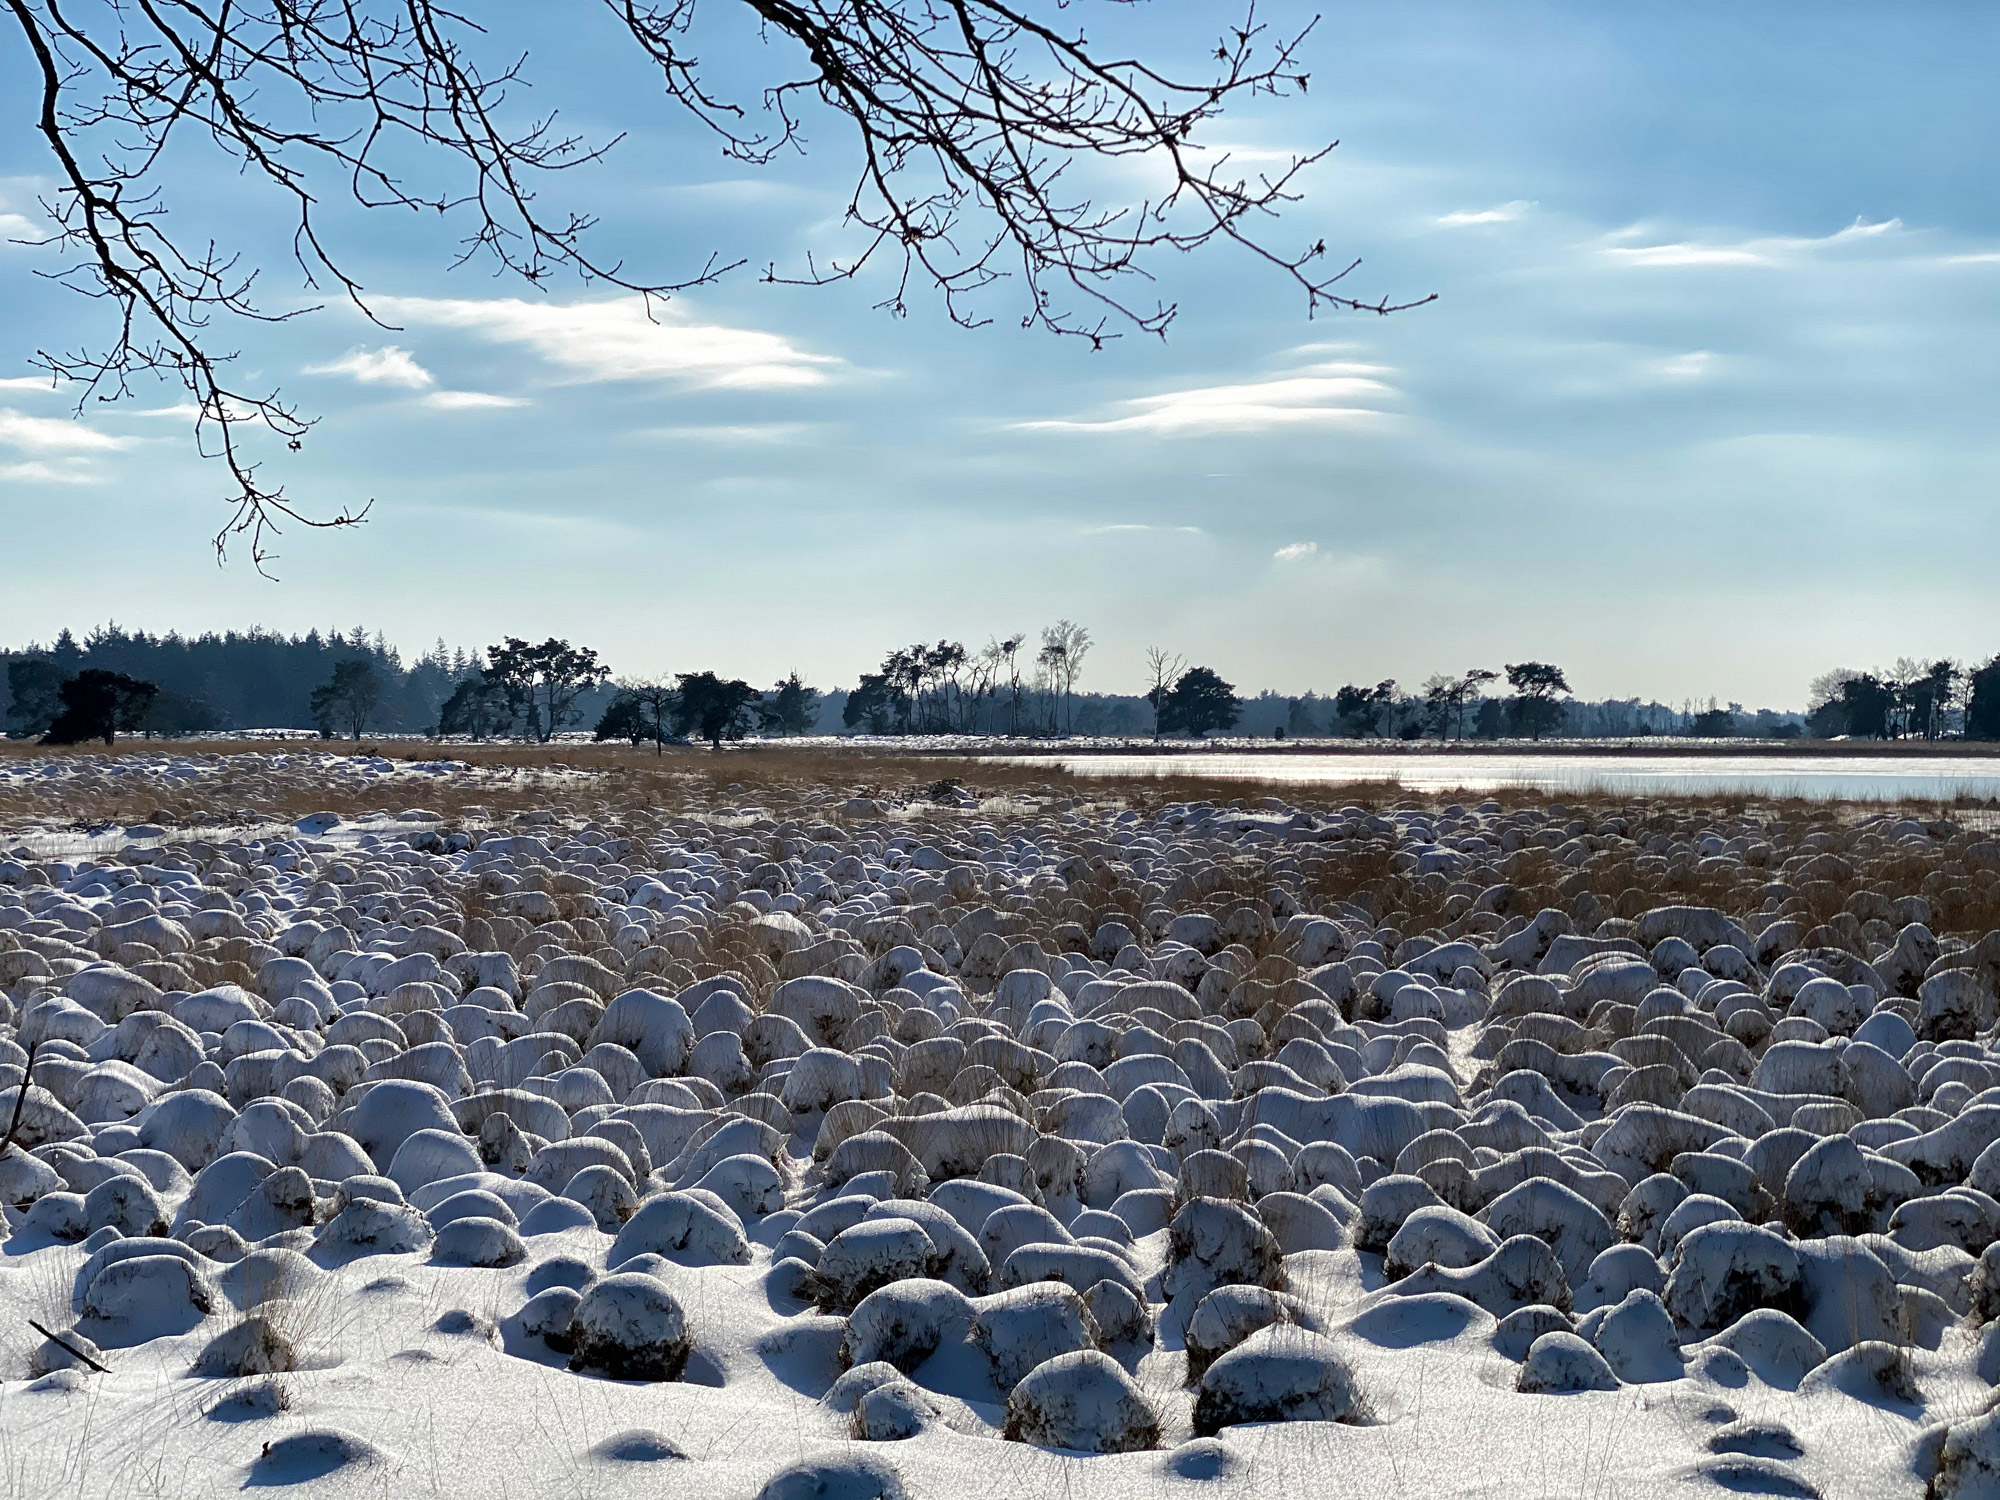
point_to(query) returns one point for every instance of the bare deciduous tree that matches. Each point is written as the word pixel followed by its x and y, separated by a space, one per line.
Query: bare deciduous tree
pixel 965 117
pixel 1064 645
pixel 1163 670
pixel 1006 656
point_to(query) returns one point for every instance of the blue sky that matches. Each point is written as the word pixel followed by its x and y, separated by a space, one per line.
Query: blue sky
pixel 1706 404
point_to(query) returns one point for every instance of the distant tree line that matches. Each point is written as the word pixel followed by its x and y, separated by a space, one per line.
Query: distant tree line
pixel 254 679
pixel 1008 686
pixel 116 681
pixel 703 706
pixel 1921 700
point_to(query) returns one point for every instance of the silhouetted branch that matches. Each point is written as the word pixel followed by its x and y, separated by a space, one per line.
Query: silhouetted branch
pixel 62 1343
pixel 20 1101
pixel 967 116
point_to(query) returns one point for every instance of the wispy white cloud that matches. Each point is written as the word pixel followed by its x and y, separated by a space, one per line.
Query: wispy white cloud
pixel 388 365
pixel 36 471
pixel 618 340
pixel 1325 348
pixel 1129 526
pixel 470 401
pixel 19 227
pixel 54 435
pixel 1773 250
pixel 552 531
pixel 1505 213
pixel 1688 255
pixel 734 434
pixel 1324 395
pixel 1981 258
pixel 1296 552
pixel 27 383
pixel 1697 364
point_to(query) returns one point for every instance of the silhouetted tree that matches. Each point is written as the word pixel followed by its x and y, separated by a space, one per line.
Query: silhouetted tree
pixel 1713 724
pixel 623 719
pixel 543 682
pixel 1064 646
pixel 714 708
pixel 1302 716
pixel 877 705
pixel 1163 670
pixel 1866 706
pixel 1360 710
pixel 640 711
pixel 944 710
pixel 478 707
pixel 789 708
pixel 1009 652
pixel 1463 691
pixel 1535 708
pixel 1434 710
pixel 97 704
pixel 250 679
pixel 348 701
pixel 1982 703
pixel 175 714
pixel 1924 695
pixel 1198 702
pixel 34 688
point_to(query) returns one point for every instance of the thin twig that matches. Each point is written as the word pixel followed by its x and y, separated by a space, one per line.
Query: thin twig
pixel 966 119
pixel 62 1343
pixel 20 1100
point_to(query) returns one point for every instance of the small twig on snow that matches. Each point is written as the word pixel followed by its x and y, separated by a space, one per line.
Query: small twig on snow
pixel 62 1343
pixel 20 1101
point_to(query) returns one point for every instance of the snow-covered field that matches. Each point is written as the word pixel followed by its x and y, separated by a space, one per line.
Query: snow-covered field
pixel 1075 1144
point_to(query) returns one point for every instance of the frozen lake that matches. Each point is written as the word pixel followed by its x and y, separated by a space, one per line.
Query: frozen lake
pixel 1828 777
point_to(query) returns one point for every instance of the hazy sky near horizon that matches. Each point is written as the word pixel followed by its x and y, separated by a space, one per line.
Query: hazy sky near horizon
pixel 1706 405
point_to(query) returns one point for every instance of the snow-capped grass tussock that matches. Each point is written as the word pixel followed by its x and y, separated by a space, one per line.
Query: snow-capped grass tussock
pixel 816 1139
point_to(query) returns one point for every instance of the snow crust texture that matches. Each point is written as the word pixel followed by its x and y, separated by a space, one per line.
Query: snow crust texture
pixel 882 1147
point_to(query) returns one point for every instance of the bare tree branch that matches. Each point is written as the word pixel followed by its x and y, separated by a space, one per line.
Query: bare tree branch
pixel 968 117
pixel 62 1343
pixel 20 1101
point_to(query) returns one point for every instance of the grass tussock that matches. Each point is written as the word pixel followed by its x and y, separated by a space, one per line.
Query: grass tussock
pixel 739 798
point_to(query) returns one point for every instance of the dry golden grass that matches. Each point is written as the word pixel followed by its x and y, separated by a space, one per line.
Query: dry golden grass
pixel 638 790
pixel 591 779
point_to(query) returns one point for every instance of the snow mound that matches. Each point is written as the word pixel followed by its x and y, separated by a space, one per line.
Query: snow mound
pixel 1229 1315
pixel 685 1229
pixel 1083 1402
pixel 1637 1339
pixel 1968 1466
pixel 1873 1371
pixel 1283 1373
pixel 1722 1271
pixel 1560 1364
pixel 1773 1345
pixel 845 1476
pixel 893 1411
pixel 637 1445
pixel 1524 1271
pixel 369 1227
pixel 477 1242
pixel 904 1323
pixel 316 1453
pixel 1025 1326
pixel 145 1297
pixel 630 1326
pixel 869 1255
pixel 1214 1243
